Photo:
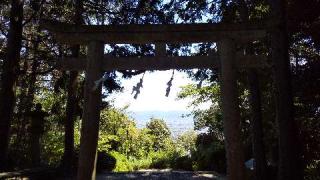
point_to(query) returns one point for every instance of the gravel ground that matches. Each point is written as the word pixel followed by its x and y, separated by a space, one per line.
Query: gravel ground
pixel 164 174
pixel 160 174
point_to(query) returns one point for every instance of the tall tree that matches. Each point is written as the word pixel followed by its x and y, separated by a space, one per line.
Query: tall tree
pixel 72 100
pixel 290 163
pixel 9 76
pixel 255 105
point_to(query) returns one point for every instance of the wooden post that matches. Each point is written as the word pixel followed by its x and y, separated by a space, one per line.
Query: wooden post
pixel 91 113
pixel 161 49
pixel 230 111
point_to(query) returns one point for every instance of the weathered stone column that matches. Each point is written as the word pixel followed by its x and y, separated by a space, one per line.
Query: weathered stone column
pixel 91 112
pixel 230 110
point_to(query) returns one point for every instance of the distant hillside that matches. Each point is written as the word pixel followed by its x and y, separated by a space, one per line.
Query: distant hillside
pixel 176 123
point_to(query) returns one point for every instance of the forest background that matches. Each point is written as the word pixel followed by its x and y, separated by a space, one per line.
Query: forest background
pixel 29 76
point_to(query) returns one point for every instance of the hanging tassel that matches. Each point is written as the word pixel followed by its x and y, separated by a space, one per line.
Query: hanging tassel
pixel 99 81
pixel 136 89
pixel 169 84
pixel 199 85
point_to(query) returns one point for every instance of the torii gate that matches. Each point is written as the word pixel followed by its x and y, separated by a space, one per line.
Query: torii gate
pixel 227 60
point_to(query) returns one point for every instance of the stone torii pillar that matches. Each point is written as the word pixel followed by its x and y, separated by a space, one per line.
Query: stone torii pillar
pixel 230 110
pixel 91 114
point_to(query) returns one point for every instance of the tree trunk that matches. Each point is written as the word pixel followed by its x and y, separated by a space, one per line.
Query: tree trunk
pixel 290 160
pixel 72 101
pixel 25 106
pixel 9 77
pixel 260 166
pixel 231 111
pixel 34 138
pixel 35 145
pixel 20 130
pixel 68 156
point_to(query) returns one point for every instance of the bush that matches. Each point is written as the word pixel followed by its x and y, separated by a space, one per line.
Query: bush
pixel 122 163
pixel 210 154
pixel 161 159
pixel 183 163
pixel 160 132
pixel 312 171
pixel 144 163
pixel 105 162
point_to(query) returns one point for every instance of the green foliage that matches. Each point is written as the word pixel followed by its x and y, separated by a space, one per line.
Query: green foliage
pixel 186 143
pixel 133 148
pixel 122 163
pixel 161 159
pixel 210 154
pixel 313 171
pixel 119 133
pixel 150 147
pixel 142 144
pixel 160 133
pixel 209 118
pixel 143 148
pixel 107 142
pixel 201 94
pixel 143 163
pixel 53 146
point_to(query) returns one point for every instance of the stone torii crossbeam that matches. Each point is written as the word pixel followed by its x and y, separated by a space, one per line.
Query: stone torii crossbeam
pixel 95 63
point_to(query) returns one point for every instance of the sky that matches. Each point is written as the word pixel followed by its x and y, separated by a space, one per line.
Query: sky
pixel 152 94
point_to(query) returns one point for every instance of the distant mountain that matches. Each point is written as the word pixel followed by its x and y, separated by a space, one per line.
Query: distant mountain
pixel 177 121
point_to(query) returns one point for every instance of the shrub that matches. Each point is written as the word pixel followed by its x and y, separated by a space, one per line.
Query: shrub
pixel 210 154
pixel 105 162
pixel 183 163
pixel 312 171
pixel 160 132
pixel 122 163
pixel 144 163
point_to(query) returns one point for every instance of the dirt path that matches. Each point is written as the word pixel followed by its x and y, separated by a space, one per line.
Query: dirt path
pixel 160 174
